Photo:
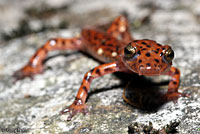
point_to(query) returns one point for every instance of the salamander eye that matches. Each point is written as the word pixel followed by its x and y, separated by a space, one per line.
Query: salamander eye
pixel 169 55
pixel 129 51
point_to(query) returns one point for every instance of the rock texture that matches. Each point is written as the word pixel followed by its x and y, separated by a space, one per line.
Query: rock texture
pixel 32 106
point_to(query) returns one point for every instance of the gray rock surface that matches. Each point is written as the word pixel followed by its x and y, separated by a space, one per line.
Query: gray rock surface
pixel 34 105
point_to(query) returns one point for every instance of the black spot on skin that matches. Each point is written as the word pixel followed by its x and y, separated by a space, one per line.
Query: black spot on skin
pixel 91 70
pixel 116 23
pixel 139 52
pixel 98 71
pixel 156 60
pixel 163 48
pixel 108 39
pixel 158 49
pixel 109 49
pixel 174 82
pixel 103 42
pixel 144 49
pixel 144 43
pixel 108 69
pixel 63 42
pixel 110 45
pixel 73 42
pixel 155 51
pixel 85 89
pixel 176 72
pixel 148 46
pixel 35 55
pixel 159 44
pixel 141 47
pixel 123 35
pixel 148 64
pixel 135 40
pixel 140 61
pixel 82 83
pixel 148 54
pixel 89 34
pixel 95 37
pixel 88 77
pixel 43 48
pixel 117 49
pixel 77 98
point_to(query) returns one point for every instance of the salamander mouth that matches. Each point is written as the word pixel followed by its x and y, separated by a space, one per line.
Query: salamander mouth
pixel 149 70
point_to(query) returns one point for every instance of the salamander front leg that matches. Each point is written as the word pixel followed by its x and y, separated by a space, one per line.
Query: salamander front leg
pixel 35 64
pixel 172 93
pixel 79 104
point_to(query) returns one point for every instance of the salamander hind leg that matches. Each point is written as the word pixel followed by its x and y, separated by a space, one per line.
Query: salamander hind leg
pixel 172 93
pixel 119 29
pixel 79 105
pixel 35 64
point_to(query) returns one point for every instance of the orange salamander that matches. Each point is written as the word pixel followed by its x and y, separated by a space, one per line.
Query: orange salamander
pixel 118 51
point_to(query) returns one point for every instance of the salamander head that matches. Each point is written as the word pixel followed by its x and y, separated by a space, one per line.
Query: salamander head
pixel 146 57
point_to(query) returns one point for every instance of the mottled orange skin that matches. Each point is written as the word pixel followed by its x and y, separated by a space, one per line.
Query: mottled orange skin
pixel 108 47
